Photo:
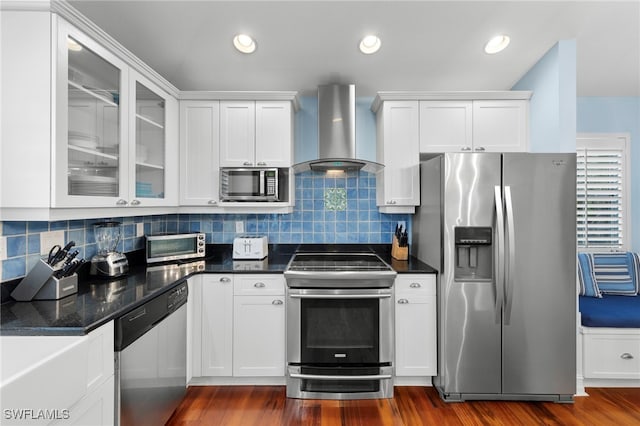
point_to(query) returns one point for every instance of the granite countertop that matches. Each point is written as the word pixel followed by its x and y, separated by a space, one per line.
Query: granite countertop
pixel 100 300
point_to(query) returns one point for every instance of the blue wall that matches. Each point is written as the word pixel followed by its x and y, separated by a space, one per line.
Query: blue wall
pixel 617 115
pixel 553 104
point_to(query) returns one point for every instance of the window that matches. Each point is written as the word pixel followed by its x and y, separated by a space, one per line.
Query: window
pixel 602 192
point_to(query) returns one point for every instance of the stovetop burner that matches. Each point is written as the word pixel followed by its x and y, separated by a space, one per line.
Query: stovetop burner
pixel 337 262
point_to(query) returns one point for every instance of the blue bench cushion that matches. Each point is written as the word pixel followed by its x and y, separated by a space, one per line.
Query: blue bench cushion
pixel 608 273
pixel 610 311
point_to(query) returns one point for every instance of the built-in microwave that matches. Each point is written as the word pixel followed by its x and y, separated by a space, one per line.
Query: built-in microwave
pixel 246 184
pixel 167 247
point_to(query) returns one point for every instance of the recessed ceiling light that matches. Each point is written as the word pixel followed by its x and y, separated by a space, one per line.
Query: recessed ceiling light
pixel 73 45
pixel 244 43
pixel 497 44
pixel 370 44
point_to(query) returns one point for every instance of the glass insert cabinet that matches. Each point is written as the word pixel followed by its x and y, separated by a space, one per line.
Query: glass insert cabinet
pixel 114 130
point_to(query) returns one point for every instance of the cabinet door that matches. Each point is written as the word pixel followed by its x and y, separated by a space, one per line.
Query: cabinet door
pixel 415 326
pixel 446 126
pixel 274 134
pixel 199 159
pixel 217 325
pixel 237 133
pixel 152 145
pixel 91 122
pixel 259 336
pixel 500 126
pixel 398 183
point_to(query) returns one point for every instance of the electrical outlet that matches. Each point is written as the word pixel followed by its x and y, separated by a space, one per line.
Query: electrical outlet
pixel 239 227
pixel 139 229
pixel 3 249
pixel 50 239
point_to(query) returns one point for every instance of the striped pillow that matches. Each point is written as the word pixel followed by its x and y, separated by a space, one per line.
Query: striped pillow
pixel 586 278
pixel 616 273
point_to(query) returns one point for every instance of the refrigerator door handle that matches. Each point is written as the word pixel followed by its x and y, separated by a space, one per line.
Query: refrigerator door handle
pixel 511 265
pixel 499 263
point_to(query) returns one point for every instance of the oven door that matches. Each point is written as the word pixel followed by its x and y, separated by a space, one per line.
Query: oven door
pixel 339 343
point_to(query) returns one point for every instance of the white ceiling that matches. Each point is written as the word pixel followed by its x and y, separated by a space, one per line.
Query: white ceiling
pixel 426 45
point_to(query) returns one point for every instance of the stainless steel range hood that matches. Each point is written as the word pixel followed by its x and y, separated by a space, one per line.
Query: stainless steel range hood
pixel 337 132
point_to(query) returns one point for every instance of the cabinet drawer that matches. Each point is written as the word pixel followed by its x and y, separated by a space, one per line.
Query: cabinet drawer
pixel 611 356
pixel 416 284
pixel 259 284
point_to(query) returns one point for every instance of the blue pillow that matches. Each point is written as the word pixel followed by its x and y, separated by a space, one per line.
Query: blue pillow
pixel 588 285
pixel 616 273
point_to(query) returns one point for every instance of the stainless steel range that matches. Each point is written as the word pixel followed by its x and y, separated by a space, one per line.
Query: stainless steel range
pixel 339 326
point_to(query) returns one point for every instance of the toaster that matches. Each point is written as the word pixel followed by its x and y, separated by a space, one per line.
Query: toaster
pixel 248 247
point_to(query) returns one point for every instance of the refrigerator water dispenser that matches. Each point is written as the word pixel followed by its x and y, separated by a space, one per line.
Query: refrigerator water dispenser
pixel 474 253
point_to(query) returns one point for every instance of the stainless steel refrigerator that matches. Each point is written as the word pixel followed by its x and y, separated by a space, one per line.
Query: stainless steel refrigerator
pixel 500 228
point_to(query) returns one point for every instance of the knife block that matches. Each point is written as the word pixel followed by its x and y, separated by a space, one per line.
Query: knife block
pixel 397 252
pixel 40 284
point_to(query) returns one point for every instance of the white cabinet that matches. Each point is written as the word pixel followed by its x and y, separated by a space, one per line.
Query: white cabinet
pixel 446 126
pixel 501 125
pixel 217 325
pixel 115 133
pixel 259 326
pixel 415 325
pixel 611 353
pixel 398 184
pixel 474 126
pixel 96 133
pixel 199 148
pixel 256 134
pixel 238 328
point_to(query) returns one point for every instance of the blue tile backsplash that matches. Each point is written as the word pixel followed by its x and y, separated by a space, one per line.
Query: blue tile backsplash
pixel 310 222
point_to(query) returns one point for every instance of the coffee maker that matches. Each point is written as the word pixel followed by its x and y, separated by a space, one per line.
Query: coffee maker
pixel 108 262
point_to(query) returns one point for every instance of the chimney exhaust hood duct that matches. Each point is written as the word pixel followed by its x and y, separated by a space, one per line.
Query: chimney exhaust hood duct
pixel 337 132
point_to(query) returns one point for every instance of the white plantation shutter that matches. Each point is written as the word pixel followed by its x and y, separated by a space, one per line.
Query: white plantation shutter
pixel 602 192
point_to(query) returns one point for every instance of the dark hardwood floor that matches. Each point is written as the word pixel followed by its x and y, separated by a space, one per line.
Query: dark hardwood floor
pixel 412 405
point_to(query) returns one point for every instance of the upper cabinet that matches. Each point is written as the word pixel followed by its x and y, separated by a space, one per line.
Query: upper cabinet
pixel 256 134
pixel 234 129
pixel 411 123
pixel 97 130
pixel 489 125
pixel 397 184
pixel 199 159
pixel 115 141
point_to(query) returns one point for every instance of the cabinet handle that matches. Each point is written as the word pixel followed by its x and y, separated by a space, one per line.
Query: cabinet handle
pixel 415 285
pixel 391 202
pixel 135 202
pixel 261 163
pixel 247 163
pixel 277 302
pixel 212 202
pixel 121 202
pixel 402 301
pixel 480 149
pixel 626 355
pixel 259 285
pixel 225 280
pixel 466 148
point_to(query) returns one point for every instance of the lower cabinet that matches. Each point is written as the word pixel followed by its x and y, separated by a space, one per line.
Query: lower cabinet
pixel 415 326
pixel 237 325
pixel 258 335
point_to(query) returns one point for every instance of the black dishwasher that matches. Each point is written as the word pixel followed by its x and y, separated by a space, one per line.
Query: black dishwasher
pixel 151 359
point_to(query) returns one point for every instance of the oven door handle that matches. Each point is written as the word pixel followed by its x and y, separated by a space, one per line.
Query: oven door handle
pixel 321 377
pixel 340 296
